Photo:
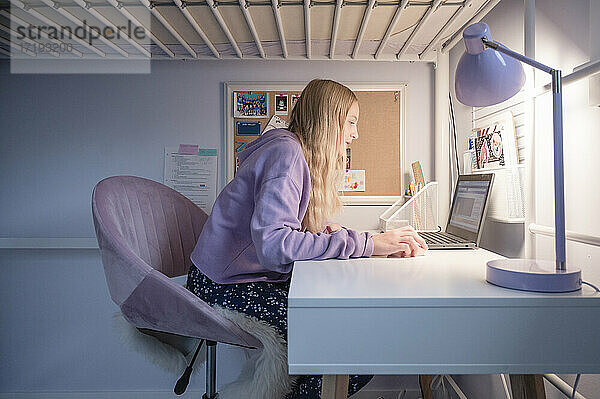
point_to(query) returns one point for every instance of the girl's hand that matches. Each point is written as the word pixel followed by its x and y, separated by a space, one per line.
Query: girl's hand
pixel 332 227
pixel 402 242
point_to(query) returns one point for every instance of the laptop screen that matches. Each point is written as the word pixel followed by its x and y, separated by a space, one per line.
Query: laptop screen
pixel 468 206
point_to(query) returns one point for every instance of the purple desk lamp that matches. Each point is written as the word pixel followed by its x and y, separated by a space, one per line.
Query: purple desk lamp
pixel 485 77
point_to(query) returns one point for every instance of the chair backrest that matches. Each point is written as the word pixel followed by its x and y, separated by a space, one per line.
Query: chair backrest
pixel 146 231
pixel 145 221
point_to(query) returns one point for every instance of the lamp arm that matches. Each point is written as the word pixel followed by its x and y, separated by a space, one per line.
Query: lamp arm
pixel 502 49
pixel 559 179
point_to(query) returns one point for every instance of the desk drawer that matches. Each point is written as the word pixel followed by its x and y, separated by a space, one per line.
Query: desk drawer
pixel 449 340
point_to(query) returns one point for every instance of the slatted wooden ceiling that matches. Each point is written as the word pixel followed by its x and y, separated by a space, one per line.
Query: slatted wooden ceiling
pixel 243 29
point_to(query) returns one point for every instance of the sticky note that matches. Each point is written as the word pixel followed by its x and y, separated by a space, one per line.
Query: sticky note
pixel 188 149
pixel 207 152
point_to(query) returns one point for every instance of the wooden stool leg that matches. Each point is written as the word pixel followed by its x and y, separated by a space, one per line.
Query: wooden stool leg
pixel 527 386
pixel 425 383
pixel 334 387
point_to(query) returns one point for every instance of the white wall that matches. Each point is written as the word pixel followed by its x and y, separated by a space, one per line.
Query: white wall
pixel 507 239
pixel 563 29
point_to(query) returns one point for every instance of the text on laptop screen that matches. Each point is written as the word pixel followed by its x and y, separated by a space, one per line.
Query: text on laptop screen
pixel 469 204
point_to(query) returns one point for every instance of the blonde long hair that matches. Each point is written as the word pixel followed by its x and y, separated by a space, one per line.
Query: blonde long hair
pixel 318 119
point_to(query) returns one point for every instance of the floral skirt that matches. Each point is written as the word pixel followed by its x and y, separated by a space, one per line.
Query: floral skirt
pixel 268 302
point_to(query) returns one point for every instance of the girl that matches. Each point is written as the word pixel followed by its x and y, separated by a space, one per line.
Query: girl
pixel 275 212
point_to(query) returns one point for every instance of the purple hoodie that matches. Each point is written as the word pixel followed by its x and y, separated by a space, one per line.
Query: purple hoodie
pixel 254 231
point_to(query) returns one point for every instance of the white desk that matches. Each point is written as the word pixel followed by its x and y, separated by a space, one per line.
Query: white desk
pixel 434 315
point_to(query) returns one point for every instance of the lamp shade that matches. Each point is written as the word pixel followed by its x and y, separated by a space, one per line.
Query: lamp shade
pixel 485 76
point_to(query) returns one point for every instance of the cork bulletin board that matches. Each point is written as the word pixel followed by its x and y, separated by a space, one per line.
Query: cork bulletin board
pixel 377 154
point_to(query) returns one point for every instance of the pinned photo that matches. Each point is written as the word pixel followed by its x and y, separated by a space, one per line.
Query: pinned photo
pixel 281 104
pixel 295 98
pixel 251 105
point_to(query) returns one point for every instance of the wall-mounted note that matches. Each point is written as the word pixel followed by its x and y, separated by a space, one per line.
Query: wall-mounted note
pixel 192 174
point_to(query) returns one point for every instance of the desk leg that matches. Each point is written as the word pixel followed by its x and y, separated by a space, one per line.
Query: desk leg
pixel 425 383
pixel 334 387
pixel 527 386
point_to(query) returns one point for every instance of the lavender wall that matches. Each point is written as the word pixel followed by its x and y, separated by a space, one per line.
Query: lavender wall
pixel 60 135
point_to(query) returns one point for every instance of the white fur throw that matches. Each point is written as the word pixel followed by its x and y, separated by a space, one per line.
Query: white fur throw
pixel 264 374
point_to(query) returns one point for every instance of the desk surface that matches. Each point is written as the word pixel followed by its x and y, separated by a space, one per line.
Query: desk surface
pixel 440 278
pixel 433 314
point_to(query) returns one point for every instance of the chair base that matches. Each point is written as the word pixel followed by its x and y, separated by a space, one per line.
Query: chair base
pixel 211 371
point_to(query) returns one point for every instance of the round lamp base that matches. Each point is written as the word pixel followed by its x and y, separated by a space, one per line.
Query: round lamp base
pixel 532 275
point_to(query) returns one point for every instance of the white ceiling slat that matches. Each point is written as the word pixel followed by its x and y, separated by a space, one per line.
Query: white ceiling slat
pixel 292 17
pixel 15 47
pixel 363 27
pixel 390 29
pixel 197 27
pixel 213 7
pixel 248 17
pixel 277 14
pixel 321 25
pixel 203 15
pixel 50 22
pixel 105 21
pixel 350 20
pixel 433 8
pixel 307 6
pixel 457 14
pixel 22 22
pixel 168 26
pixel 14 34
pixel 79 22
pixel 334 30
pixel 303 29
pixel 133 19
pixel 264 22
pixel 457 37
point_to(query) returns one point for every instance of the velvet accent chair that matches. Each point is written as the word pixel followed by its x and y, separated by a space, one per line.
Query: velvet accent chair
pixel 146 232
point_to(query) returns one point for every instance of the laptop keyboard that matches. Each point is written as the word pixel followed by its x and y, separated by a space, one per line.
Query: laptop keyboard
pixel 438 237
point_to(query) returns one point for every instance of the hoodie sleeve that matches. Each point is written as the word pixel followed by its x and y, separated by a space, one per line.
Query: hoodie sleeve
pixel 276 234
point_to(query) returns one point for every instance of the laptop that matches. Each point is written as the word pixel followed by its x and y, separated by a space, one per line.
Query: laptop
pixel 467 213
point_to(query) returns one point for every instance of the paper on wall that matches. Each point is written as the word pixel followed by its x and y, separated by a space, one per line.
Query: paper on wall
pixel 275 123
pixel 495 142
pixel 354 180
pixel 193 175
pixel 250 105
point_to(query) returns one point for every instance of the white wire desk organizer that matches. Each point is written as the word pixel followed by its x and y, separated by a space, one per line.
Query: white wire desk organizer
pixel 420 211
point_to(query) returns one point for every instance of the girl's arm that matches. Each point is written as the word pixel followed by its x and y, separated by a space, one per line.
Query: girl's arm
pixel 276 234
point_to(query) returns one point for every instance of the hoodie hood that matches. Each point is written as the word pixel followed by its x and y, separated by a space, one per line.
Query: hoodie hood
pixel 266 138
